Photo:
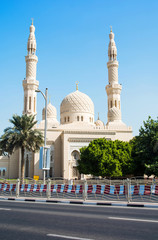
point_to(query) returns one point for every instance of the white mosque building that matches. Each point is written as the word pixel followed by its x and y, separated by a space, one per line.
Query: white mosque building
pixel 76 128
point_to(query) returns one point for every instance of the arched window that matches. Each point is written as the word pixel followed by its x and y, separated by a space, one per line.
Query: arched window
pixel 78 118
pixel 81 118
pixel 50 172
pixel 115 103
pixel 113 54
pixel 68 119
pixel 29 103
pixel 111 104
pixel 3 172
pixel 34 104
pixel 90 119
pixel 75 155
pixel 65 119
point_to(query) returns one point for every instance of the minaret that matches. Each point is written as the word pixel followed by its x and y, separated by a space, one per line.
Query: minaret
pixel 113 89
pixel 30 84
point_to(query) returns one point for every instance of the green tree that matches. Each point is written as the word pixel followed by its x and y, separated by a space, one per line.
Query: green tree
pixel 145 149
pixel 22 135
pixel 106 158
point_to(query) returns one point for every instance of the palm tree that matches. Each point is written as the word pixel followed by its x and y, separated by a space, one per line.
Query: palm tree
pixel 22 135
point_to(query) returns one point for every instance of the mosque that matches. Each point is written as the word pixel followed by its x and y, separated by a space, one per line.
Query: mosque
pixel 76 128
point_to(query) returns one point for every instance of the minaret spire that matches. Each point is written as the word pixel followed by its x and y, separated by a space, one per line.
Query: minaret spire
pixel 30 84
pixel 112 50
pixel 113 89
pixel 31 44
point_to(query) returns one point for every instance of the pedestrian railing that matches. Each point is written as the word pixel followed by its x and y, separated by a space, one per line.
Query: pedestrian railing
pixel 126 190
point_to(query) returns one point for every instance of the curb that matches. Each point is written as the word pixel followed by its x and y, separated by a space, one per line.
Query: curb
pixel 81 202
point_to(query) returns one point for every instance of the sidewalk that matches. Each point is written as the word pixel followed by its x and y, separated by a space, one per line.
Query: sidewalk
pixel 81 202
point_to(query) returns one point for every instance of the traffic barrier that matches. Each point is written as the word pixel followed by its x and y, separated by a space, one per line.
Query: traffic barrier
pixel 7 188
pixel 98 191
pixel 91 189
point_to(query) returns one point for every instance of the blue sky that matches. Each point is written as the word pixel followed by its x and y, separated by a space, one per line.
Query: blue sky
pixel 72 45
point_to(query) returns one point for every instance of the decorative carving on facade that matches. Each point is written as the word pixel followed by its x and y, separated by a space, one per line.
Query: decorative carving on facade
pixel 84 139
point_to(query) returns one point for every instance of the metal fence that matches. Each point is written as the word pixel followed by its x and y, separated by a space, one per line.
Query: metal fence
pixel 130 190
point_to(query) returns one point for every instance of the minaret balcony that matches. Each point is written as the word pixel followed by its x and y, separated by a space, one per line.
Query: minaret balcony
pixel 112 63
pixel 31 57
pixel 30 84
pixel 113 88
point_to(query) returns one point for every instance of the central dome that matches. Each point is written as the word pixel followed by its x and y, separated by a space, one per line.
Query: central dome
pixel 77 102
pixel 77 107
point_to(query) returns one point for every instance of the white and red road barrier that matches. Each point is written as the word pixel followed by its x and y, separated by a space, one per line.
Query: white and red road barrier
pixel 79 189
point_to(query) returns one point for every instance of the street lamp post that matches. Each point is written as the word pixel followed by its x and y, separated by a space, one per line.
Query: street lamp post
pixel 45 132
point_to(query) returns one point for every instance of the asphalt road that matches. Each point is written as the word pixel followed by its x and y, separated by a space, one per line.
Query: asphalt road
pixel 41 221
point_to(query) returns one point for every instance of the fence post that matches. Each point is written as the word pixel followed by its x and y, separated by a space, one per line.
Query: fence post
pixel 85 190
pixel 48 188
pixel 153 186
pixel 17 187
pixel 128 190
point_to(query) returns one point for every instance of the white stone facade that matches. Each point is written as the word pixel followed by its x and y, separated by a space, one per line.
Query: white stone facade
pixel 76 128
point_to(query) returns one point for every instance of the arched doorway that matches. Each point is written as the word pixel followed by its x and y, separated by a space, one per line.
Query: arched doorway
pixel 75 156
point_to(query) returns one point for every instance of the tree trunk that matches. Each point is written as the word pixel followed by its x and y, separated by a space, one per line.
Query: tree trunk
pixel 22 165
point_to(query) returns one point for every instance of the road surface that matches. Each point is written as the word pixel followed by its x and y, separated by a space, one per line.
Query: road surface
pixel 41 221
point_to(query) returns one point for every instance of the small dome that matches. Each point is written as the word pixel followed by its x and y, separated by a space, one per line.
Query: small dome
pixel 111 35
pixel 76 106
pixel 51 112
pixel 99 123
